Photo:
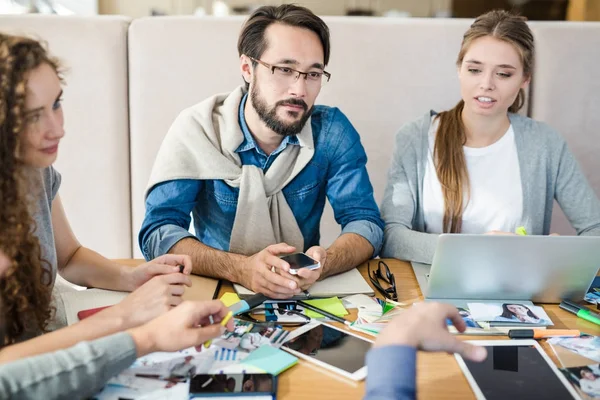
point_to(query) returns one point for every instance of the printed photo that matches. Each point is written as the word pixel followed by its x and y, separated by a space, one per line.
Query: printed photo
pixel 467 317
pixel 585 380
pixel 593 294
pixel 248 336
pixel 586 345
pixel 509 312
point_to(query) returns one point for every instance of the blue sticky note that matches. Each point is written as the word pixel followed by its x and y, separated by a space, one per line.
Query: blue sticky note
pixel 270 359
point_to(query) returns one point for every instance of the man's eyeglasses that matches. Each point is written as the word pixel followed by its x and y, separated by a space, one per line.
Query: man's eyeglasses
pixel 377 275
pixel 287 75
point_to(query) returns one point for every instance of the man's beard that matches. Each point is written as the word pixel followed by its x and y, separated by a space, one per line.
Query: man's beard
pixel 269 115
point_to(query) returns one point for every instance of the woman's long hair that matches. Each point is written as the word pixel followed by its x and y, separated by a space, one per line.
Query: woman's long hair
pixel 25 291
pixel 450 138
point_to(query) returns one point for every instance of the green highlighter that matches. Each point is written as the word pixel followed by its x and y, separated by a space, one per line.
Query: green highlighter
pixel 581 311
pixel 587 315
pixel 521 231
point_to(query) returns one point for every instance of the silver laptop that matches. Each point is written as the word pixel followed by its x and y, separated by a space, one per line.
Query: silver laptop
pixel 543 269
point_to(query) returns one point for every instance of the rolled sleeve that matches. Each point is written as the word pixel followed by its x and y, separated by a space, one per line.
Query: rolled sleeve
pixel 168 216
pixel 391 373
pixel 369 230
pixel 161 240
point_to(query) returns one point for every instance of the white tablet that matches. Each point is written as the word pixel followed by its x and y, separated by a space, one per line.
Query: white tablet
pixel 334 349
pixel 515 369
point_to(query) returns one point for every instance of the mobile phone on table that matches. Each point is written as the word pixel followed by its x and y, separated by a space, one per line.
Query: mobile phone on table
pixel 234 385
pixel 300 260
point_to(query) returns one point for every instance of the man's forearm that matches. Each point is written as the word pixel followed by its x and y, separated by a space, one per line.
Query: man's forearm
pixel 348 251
pixel 208 261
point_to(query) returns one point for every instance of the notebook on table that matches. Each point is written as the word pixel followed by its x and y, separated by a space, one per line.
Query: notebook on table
pixel 344 284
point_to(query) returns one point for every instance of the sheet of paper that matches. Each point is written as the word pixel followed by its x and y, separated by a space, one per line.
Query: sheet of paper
pixel 270 360
pixel 364 302
pixel 333 305
pixel 229 299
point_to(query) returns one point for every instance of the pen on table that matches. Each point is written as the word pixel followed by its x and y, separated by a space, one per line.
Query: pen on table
pixel 542 333
pixel 325 313
pixel 581 311
pixel 247 304
pixel 224 322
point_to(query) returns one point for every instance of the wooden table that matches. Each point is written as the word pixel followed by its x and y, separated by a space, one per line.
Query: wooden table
pixel 438 375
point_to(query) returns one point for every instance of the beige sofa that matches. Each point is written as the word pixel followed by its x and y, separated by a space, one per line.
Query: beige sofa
pixel 129 79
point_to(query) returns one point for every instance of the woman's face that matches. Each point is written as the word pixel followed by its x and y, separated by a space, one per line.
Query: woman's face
pixel 490 76
pixel 517 309
pixel 43 118
pixel 588 375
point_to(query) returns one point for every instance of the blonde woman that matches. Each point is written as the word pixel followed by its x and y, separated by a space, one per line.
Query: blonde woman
pixel 480 167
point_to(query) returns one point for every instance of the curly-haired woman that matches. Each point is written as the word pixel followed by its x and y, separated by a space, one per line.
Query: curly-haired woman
pixel 34 231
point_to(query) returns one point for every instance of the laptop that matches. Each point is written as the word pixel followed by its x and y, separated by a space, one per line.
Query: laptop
pixel 544 269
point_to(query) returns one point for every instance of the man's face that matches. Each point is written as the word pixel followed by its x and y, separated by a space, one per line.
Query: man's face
pixel 282 101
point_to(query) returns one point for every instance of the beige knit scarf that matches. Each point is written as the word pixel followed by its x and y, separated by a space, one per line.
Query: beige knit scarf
pixel 201 144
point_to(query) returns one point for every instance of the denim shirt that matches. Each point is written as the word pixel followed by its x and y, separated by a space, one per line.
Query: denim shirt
pixel 392 373
pixel 337 170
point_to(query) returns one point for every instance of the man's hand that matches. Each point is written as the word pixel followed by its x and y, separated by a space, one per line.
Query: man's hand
pixel 163 265
pixel 184 326
pixel 259 275
pixel 424 327
pixel 154 298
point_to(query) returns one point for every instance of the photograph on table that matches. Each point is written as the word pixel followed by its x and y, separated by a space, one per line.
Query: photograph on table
pixel 248 336
pixel 586 345
pixel 585 380
pixel 593 294
pixel 509 312
pixel 467 317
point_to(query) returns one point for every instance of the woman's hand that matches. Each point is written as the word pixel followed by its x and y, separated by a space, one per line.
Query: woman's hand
pixel 155 297
pixel 163 265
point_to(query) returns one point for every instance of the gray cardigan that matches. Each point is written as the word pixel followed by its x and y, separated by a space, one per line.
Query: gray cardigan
pixel 548 171
pixel 74 373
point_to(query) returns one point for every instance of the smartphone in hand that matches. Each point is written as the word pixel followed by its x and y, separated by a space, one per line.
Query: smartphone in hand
pixel 300 260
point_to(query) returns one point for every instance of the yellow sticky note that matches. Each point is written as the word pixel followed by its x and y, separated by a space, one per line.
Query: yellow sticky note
pixel 229 298
pixel 332 305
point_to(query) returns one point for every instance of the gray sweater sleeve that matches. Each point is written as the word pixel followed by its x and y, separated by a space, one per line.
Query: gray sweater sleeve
pixel 404 238
pixel 77 372
pixel 574 194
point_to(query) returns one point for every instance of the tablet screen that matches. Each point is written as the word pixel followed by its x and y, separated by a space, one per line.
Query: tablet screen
pixel 516 372
pixel 333 347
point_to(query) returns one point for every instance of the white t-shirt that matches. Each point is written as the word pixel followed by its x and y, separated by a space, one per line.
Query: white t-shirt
pixel 496 195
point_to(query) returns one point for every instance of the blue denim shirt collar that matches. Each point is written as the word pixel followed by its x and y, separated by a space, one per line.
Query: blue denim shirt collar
pixel 249 143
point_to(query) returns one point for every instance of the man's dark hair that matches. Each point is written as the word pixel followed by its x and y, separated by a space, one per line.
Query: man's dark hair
pixel 252 40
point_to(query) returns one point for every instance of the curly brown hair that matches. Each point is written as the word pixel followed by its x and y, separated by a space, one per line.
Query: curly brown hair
pixel 25 291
